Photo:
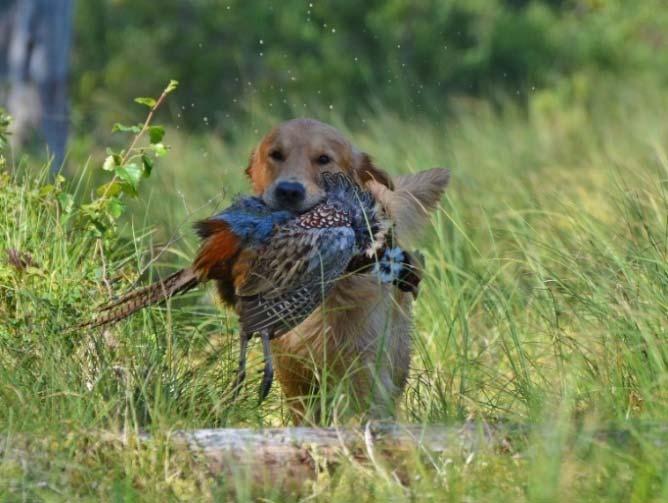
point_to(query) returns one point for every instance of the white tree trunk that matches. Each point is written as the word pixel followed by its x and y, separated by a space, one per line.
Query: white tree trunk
pixel 35 53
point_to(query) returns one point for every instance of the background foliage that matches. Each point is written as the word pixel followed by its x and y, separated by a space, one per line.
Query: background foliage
pixel 286 56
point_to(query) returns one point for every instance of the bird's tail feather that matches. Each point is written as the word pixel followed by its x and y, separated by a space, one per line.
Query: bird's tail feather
pixel 119 309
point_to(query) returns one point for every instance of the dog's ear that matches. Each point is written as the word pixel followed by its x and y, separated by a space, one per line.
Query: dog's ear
pixel 414 197
pixel 368 171
pixel 256 173
pixel 249 168
pixel 251 162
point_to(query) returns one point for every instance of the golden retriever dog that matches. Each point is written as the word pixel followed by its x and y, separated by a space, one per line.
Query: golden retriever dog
pixel 357 346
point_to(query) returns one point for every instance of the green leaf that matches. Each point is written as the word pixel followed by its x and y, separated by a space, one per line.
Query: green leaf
pixel 130 175
pixel 148 165
pixel 45 190
pixel 116 208
pixel 111 189
pixel 109 163
pixel 149 102
pixel 156 133
pixel 66 201
pixel 173 84
pixel 126 129
pixel 159 149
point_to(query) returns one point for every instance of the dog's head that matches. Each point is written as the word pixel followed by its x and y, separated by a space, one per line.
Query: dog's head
pixel 286 167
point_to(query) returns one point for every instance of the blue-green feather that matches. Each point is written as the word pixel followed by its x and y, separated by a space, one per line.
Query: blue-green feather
pixel 252 220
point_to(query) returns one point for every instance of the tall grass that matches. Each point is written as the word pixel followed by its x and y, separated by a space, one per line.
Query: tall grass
pixel 545 302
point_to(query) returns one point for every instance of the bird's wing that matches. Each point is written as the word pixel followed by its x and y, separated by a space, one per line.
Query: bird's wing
pixel 292 277
pixel 296 258
pixel 277 315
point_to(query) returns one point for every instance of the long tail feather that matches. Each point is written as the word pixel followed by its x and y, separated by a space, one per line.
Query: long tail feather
pixel 179 282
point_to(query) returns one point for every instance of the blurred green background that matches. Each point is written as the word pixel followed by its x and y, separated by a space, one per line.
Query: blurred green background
pixel 291 57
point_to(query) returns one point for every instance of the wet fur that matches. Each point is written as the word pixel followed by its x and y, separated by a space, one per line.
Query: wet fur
pixel 362 335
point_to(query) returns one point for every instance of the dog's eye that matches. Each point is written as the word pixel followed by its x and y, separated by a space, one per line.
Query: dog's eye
pixel 277 155
pixel 324 159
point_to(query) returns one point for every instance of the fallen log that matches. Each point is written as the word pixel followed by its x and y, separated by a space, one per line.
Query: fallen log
pixel 286 457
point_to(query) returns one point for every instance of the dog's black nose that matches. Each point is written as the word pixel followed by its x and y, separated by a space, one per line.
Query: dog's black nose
pixel 289 193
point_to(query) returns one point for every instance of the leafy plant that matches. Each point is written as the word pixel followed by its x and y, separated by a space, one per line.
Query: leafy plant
pixel 127 167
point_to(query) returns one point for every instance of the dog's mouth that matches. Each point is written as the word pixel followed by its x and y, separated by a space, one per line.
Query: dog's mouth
pixel 296 206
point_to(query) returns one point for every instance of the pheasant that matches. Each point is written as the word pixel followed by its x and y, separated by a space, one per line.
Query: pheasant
pixel 275 267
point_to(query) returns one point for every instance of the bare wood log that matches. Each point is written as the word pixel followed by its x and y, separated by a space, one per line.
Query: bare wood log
pixel 286 457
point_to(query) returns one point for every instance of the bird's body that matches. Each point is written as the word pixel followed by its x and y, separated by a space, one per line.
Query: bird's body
pixel 280 273
pixel 276 267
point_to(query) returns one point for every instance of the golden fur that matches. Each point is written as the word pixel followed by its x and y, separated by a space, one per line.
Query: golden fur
pixel 361 337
